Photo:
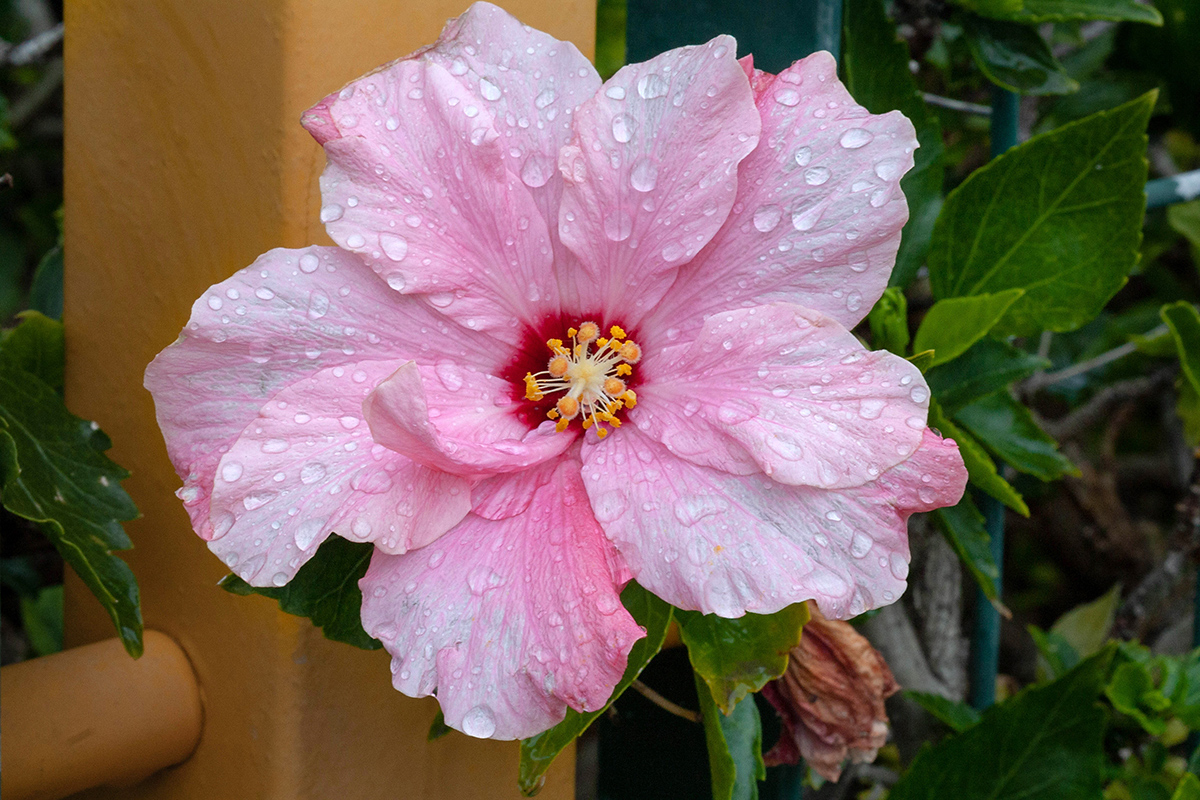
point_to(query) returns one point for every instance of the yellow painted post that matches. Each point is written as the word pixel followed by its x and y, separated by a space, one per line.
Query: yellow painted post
pixel 184 161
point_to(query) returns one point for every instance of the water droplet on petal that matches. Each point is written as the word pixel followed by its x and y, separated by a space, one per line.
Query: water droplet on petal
pixel 231 471
pixel 690 509
pixel 312 472
pixel 309 263
pixel 898 566
pixel 889 169
pixel 332 213
pixel 767 217
pixel 623 127
pixel 535 172
pixel 279 579
pixel 544 98
pixel 652 86
pixel 618 226
pixel 318 304
pixel 855 138
pixel 786 96
pixel 644 175
pixel 803 156
pixel 394 247
pixel 489 90
pixel 615 92
pixel 815 176
pixel 860 544
pixel 479 722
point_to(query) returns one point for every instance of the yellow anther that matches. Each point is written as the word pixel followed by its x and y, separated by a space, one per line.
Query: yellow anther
pixel 561 425
pixel 555 345
pixel 624 369
pixel 631 352
pixel 616 423
pixel 601 433
pixel 614 386
pixel 572 332
pixel 615 346
pixel 568 407
pixel 616 332
pixel 601 342
pixel 558 367
pixel 588 331
pixel 553 413
pixel 587 423
pixel 630 398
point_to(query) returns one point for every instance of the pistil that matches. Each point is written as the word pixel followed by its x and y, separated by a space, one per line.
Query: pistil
pixel 591 380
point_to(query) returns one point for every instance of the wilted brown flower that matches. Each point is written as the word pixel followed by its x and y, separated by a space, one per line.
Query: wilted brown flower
pixel 831 699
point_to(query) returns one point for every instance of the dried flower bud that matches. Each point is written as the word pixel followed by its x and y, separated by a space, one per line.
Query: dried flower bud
pixel 831 699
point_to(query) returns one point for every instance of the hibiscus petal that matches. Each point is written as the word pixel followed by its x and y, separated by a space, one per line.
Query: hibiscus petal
pixel 652 172
pixel 794 389
pixel 306 466
pixel 416 184
pixel 285 317
pixel 724 544
pixel 457 420
pixel 819 208
pixel 532 83
pixel 509 621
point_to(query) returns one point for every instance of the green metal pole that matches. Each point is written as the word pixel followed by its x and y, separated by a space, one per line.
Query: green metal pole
pixel 1176 189
pixel 985 637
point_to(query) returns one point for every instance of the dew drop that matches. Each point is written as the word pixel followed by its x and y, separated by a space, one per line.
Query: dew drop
pixel 215 303
pixel 803 156
pixel 644 175
pixel 618 226
pixel 786 96
pixel 318 304
pixel 312 472
pixel 806 220
pixel 479 722
pixel 231 471
pixel 767 218
pixel 544 98
pixel 615 93
pixel 690 509
pixel 396 281
pixel 535 172
pixel 889 169
pixel 855 138
pixel 815 176
pixel 860 544
pixel 489 90
pixel 275 446
pixel 279 579
pixel 652 86
pixel 898 566
pixel 623 127
pixel 394 247
pixel 332 213
pixel 309 263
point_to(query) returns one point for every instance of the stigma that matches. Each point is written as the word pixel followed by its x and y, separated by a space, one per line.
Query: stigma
pixel 591 374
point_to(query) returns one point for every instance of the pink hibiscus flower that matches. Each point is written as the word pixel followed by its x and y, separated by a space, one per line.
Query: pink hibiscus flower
pixel 572 333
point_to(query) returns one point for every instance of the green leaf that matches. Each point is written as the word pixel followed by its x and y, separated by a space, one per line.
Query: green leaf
pixel 1184 218
pixel 438 728
pixel 325 590
pixel 538 752
pixel 734 746
pixel 1008 429
pixel 1015 57
pixel 1187 405
pixel 1132 692
pixel 1188 788
pixel 1184 323
pixel 889 322
pixel 989 366
pixel 991 8
pixel 980 467
pixel 1059 216
pixel 1085 627
pixel 46 291
pixel 875 69
pixel 736 657
pixel 1055 654
pixel 963 527
pixel 53 473
pixel 36 344
pixel 953 325
pixel 922 360
pixel 957 715
pixel 1046 743
pixel 42 617
pixel 1039 11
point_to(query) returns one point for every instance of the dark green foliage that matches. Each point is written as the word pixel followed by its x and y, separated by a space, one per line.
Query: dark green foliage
pixel 325 590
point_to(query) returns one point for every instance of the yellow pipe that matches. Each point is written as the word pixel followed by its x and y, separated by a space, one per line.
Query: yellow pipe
pixel 92 716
